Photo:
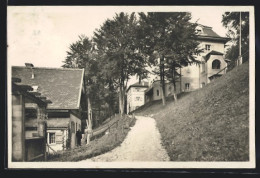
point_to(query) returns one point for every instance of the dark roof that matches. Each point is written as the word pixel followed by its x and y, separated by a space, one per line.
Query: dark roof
pixel 207 31
pixel 62 86
pixel 26 91
pixel 213 52
pixel 149 91
pixel 137 84
pixel 208 34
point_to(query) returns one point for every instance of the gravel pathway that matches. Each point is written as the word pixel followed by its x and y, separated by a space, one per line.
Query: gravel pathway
pixel 143 143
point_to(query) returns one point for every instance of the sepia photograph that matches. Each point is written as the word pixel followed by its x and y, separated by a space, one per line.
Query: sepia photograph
pixel 131 86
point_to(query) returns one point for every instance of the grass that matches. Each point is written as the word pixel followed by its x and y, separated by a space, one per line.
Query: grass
pixel 210 124
pixel 98 146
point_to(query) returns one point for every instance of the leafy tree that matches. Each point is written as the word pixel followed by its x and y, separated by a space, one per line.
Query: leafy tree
pixel 231 21
pixel 118 51
pixel 170 37
pixel 81 55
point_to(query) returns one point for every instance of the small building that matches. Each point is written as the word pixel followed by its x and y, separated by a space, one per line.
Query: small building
pixel 154 92
pixel 64 87
pixel 28 123
pixel 136 95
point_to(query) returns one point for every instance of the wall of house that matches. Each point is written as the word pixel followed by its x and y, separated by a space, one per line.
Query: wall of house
pixel 60 139
pixel 18 144
pixel 211 71
pixel 157 91
pixel 216 46
pixel 77 124
pixel 135 98
pixel 190 78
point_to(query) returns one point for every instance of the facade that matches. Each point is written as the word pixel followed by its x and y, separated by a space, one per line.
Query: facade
pixel 195 76
pixel 64 87
pixel 136 95
pixel 28 123
pixel 155 91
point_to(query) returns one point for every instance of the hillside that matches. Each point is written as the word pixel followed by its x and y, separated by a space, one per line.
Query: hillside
pixel 210 124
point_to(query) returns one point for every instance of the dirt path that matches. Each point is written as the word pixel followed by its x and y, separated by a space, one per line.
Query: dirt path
pixel 143 143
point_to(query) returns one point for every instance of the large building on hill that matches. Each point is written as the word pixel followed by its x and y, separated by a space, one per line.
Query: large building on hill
pixel 136 95
pixel 195 76
pixel 64 87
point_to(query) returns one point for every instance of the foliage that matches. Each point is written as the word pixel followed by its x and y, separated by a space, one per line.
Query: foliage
pixel 118 52
pixel 171 37
pixel 231 21
pixel 82 54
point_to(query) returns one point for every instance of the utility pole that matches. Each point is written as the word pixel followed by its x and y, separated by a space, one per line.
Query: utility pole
pixel 240 29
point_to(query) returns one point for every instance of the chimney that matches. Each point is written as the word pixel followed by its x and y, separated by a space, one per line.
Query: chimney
pixel 30 65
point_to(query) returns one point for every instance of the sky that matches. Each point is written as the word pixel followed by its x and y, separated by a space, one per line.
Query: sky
pixel 42 34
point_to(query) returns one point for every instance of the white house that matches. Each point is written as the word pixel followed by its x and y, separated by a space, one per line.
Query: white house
pixel 136 95
pixel 213 65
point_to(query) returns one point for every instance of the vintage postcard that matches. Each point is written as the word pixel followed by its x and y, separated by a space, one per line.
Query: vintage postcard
pixel 131 86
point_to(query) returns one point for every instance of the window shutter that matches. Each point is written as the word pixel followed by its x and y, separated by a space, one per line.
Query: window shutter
pixel 59 137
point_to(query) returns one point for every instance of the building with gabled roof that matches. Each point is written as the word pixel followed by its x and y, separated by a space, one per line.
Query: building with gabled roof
pixel 195 76
pixel 64 87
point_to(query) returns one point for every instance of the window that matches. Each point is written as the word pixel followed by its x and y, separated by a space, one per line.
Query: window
pixel 202 84
pixel 216 64
pixel 207 47
pixel 138 99
pixel 157 92
pixel 198 30
pixel 51 138
pixel 187 86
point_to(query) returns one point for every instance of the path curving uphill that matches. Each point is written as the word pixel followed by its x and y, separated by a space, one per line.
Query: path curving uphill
pixel 143 143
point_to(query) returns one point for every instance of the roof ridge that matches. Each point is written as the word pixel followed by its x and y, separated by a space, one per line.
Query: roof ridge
pixel 50 68
pixel 204 26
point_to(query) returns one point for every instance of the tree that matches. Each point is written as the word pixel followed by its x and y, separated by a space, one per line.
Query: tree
pixel 81 55
pixel 117 49
pixel 231 21
pixel 170 37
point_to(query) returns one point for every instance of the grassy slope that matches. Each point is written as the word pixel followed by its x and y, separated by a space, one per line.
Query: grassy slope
pixel 210 124
pixel 98 146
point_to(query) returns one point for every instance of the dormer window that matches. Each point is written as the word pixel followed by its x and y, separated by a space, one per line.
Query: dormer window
pixel 198 30
pixel 35 88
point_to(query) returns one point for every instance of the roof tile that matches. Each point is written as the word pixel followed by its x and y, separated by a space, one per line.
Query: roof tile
pixel 61 86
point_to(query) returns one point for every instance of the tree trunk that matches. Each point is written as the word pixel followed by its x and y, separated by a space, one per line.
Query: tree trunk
pixel 162 81
pixel 174 84
pixel 89 130
pixel 121 100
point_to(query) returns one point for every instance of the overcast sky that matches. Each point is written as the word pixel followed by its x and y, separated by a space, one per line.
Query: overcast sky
pixel 42 35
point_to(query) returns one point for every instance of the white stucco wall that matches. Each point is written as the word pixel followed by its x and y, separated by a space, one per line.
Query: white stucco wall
pixel 211 71
pixel 60 139
pixel 216 46
pixel 132 94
